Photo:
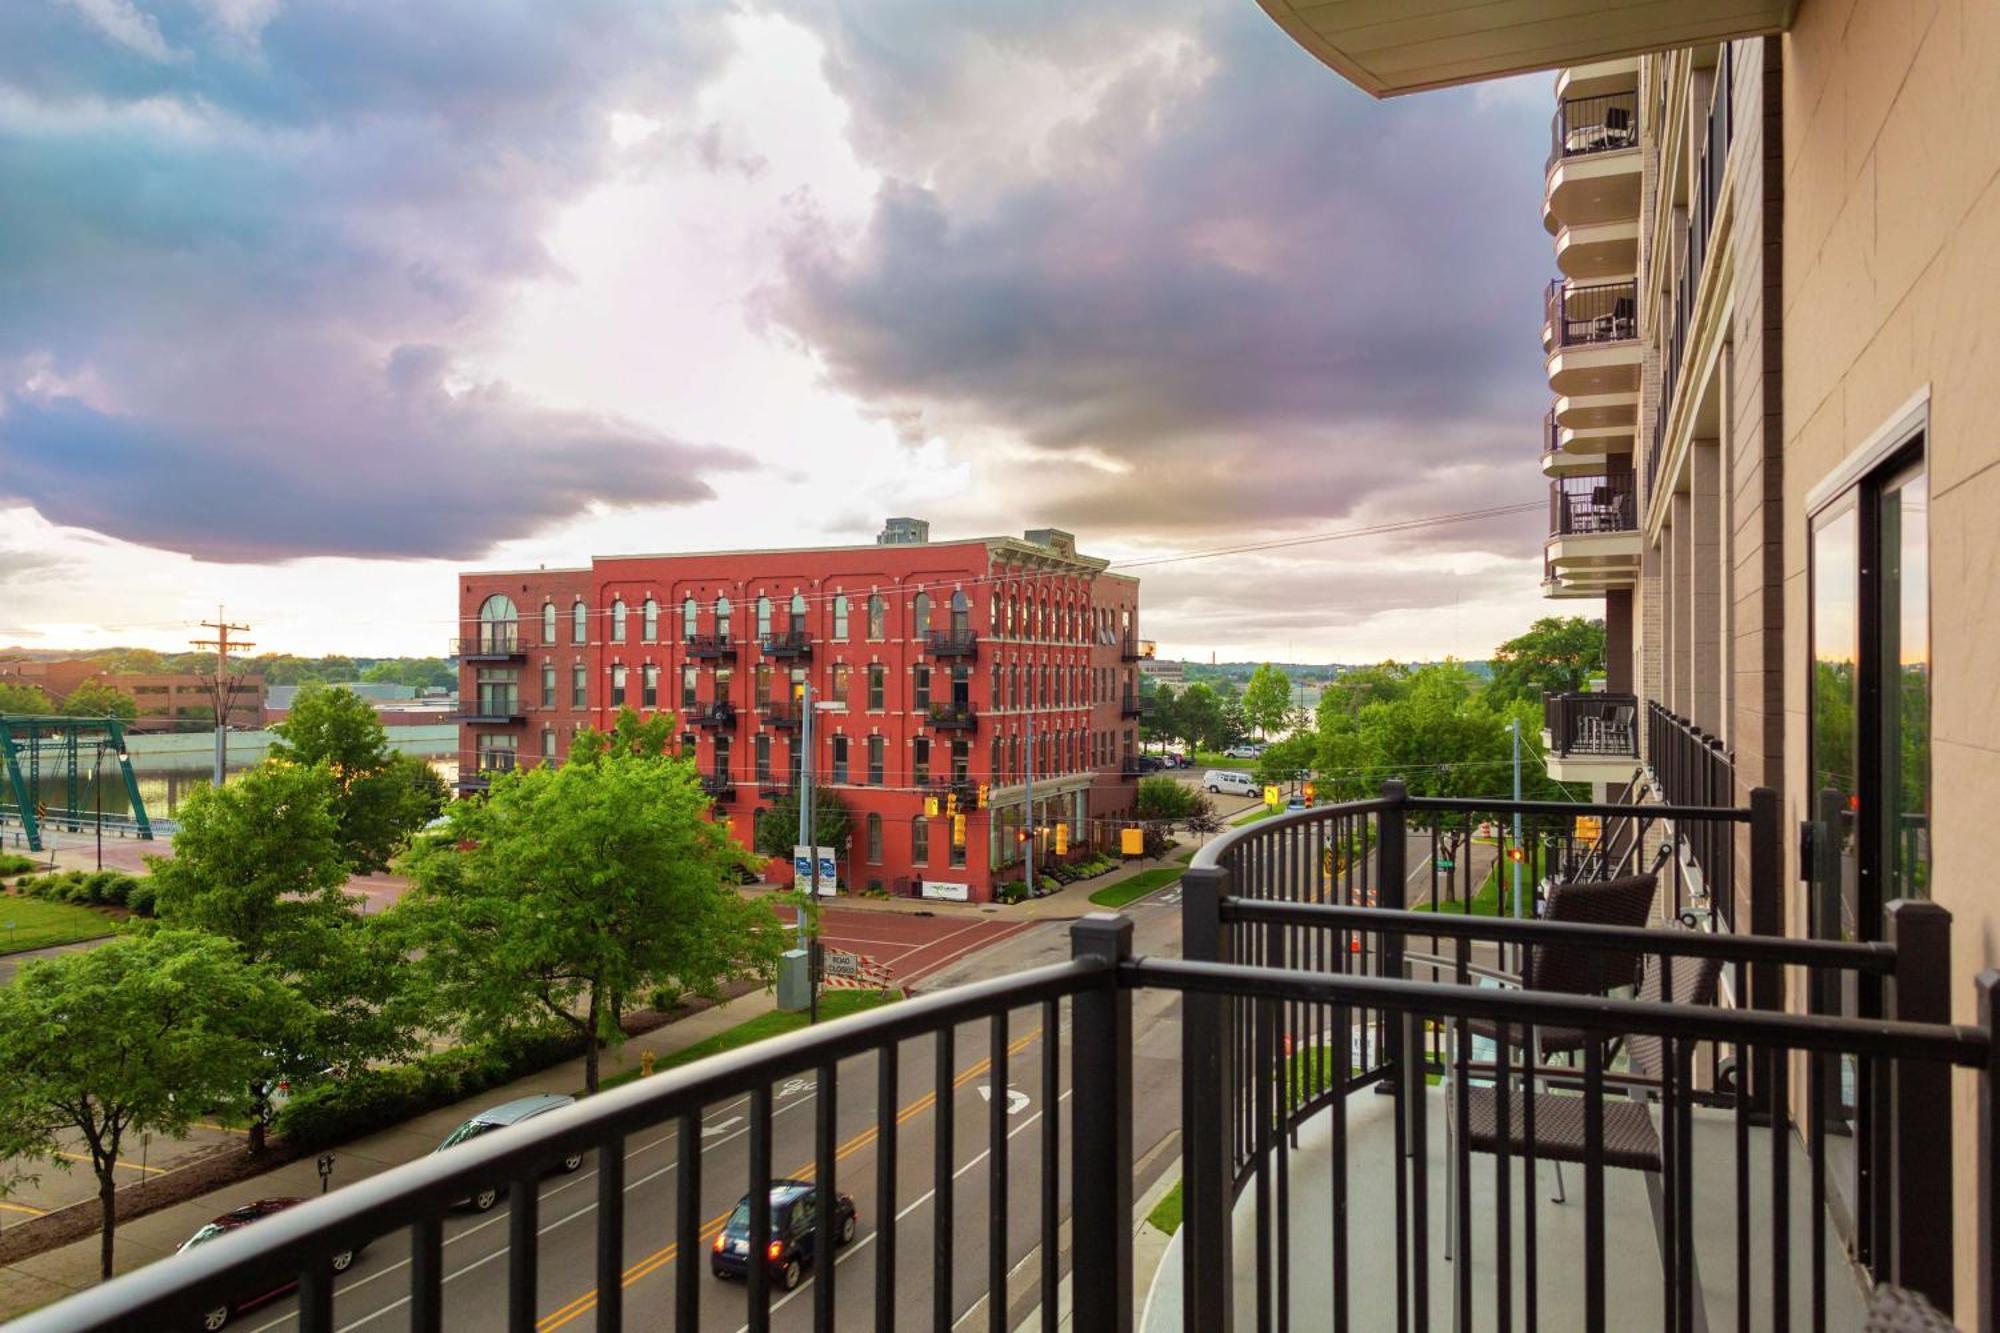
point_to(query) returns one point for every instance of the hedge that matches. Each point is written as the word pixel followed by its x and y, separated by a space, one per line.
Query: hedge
pixel 91 888
pixel 368 1100
pixel 13 864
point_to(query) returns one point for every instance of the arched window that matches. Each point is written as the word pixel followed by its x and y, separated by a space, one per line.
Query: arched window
pixel 618 620
pixel 961 613
pixel 649 621
pixel 548 624
pixel 499 625
pixel 722 617
pixel 798 612
pixel 921 611
pixel 579 622
pixel 689 613
pixel 763 616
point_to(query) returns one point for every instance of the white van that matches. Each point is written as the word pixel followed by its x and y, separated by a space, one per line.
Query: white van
pixel 1231 782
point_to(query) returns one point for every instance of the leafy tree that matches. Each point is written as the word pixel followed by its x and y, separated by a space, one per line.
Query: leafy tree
pixel 379 796
pixel 259 861
pixel 1159 712
pixel 94 698
pixel 418 673
pixel 1286 759
pixel 1199 718
pixel 630 734
pixel 1267 700
pixel 143 660
pixel 778 826
pixel 569 889
pixel 1557 655
pixel 1165 799
pixel 143 1034
pixel 17 698
pixel 1347 694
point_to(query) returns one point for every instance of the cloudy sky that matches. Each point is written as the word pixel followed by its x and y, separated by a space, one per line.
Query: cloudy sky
pixel 305 304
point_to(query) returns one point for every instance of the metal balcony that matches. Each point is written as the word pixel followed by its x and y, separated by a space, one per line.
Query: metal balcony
pixel 1129 707
pixel 779 715
pixel 719 714
pixel 710 646
pixel 1128 650
pixel 1592 506
pixel 718 786
pixel 1582 126
pixel 491 710
pixel 951 643
pixel 794 643
pixel 498 642
pixel 953 717
pixel 1594 724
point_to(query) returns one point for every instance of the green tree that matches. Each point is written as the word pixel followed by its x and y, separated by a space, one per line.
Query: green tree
pixel 18 698
pixel 380 796
pixel 1352 690
pixel 418 673
pixel 630 734
pixel 1267 699
pixel 144 1034
pixel 93 698
pixel 143 660
pixel 1158 709
pixel 259 861
pixel 569 889
pixel 778 826
pixel 1286 759
pixel 1164 799
pixel 1557 655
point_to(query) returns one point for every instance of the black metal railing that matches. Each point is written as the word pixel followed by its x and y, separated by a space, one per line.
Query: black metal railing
pixel 1128 649
pixel 496 641
pixel 491 708
pixel 1592 723
pixel 710 646
pixel 1586 506
pixel 720 713
pixel 1298 947
pixel 790 643
pixel 1586 125
pixel 1692 768
pixel 781 714
pixel 951 643
pixel 1551 435
pixel 954 717
pixel 1586 314
pixel 719 786
pixel 1130 706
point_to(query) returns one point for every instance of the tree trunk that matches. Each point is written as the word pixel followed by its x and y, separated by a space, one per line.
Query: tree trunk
pixel 107 1205
pixel 590 1046
pixel 259 1110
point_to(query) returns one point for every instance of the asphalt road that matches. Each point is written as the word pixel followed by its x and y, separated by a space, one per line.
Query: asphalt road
pixel 373 1296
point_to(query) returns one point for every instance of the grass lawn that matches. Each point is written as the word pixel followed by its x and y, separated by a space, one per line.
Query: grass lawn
pixel 1166 1214
pixel 1135 887
pixel 1261 812
pixel 31 923
pixel 1187 855
pixel 832 1004
pixel 1210 759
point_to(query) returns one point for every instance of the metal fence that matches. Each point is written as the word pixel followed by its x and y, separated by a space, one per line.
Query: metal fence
pixel 1592 723
pixel 1586 125
pixel 1586 506
pixel 1580 314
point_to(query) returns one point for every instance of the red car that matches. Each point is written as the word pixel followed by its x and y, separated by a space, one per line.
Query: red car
pixel 243 1217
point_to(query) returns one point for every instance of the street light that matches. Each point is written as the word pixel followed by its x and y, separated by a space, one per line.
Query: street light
pixel 97 788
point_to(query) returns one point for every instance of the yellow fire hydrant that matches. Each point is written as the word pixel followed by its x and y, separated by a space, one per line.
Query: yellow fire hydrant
pixel 645 1064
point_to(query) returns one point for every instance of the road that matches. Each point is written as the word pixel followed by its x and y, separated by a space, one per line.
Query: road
pixel 374 1297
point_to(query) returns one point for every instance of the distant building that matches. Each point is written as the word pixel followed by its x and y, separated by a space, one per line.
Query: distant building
pixel 1163 672
pixel 167 700
pixel 395 705
pixel 961 665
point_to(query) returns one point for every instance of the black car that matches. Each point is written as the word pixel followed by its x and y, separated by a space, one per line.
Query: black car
pixel 243 1217
pixel 794 1220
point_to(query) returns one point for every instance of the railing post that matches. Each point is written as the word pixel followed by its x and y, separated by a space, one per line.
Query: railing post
pixel 1988 1147
pixel 1207 1100
pixel 1101 1131
pixel 1919 1230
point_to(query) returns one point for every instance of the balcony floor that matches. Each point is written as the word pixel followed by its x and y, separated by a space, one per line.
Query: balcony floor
pixel 1632 1272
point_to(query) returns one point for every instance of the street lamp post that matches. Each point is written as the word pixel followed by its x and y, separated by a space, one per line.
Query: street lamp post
pixel 97 786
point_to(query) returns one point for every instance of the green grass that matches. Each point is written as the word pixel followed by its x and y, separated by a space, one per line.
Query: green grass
pixel 1210 759
pixel 778 1022
pixel 37 924
pixel 1187 855
pixel 1166 1214
pixel 1261 812
pixel 1135 887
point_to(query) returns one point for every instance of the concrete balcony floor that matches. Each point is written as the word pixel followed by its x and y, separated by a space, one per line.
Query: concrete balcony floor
pixel 1632 1270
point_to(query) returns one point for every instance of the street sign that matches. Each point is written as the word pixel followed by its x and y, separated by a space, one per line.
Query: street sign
pixel 1446 863
pixel 1274 796
pixel 802 871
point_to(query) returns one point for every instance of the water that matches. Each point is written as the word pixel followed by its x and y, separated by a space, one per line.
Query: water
pixel 163 790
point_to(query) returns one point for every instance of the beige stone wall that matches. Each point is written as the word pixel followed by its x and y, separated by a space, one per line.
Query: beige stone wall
pixel 1892 283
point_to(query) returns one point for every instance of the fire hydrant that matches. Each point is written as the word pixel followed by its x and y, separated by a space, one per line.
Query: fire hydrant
pixel 646 1064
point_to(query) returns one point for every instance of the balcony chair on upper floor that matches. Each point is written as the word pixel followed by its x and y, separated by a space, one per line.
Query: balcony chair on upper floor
pixel 1618 128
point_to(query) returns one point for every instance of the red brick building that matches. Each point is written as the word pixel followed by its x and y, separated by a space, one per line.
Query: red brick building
pixel 952 666
pixel 167 700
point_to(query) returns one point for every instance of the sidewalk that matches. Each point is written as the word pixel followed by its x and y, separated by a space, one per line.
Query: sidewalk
pixel 40 1279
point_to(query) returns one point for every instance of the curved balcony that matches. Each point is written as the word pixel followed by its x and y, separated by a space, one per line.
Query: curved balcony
pixel 1594 540
pixel 1596 251
pixel 1594 162
pixel 1591 334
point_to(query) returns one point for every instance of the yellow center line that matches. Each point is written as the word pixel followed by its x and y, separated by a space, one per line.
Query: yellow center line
pixel 129 1166
pixel 22 1208
pixel 660 1258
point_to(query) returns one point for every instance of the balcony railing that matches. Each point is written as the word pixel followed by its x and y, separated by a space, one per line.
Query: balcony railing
pixel 1692 767
pixel 779 714
pixel 951 643
pixel 497 641
pixel 1586 506
pixel 1129 706
pixel 721 713
pixel 1551 435
pixel 791 643
pixel 710 646
pixel 1586 125
pixel 1589 314
pixel 718 786
pixel 1592 724
pixel 954 717
pixel 1305 981
pixel 490 709
pixel 1128 649
pixel 476 767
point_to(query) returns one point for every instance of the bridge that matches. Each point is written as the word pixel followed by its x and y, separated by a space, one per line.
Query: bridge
pixel 47 757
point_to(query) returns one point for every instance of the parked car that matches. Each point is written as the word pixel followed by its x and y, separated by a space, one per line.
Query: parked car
pixel 1244 751
pixel 794 1223
pixel 1151 763
pixel 499 1117
pixel 235 1219
pixel 1231 782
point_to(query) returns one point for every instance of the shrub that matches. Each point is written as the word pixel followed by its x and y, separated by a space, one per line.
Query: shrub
pixel 97 888
pixel 11 864
pixel 1013 891
pixel 140 900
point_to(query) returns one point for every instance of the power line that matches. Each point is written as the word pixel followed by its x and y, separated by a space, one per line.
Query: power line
pixel 223 687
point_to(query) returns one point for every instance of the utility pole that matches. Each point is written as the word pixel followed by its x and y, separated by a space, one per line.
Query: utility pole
pixel 1514 726
pixel 1029 797
pixel 222 690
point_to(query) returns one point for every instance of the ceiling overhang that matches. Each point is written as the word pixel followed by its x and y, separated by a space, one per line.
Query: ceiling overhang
pixel 1387 47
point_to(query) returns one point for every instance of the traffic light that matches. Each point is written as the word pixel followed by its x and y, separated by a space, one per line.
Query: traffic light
pixel 1516 854
pixel 1310 792
pixel 930 807
pixel 982 795
pixel 951 804
pixel 958 830
pixel 1020 835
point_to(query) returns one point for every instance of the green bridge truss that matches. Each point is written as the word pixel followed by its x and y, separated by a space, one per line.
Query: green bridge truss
pixel 43 755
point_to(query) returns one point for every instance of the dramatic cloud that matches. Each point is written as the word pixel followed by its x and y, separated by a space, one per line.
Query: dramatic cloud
pixel 242 244
pixel 1222 288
